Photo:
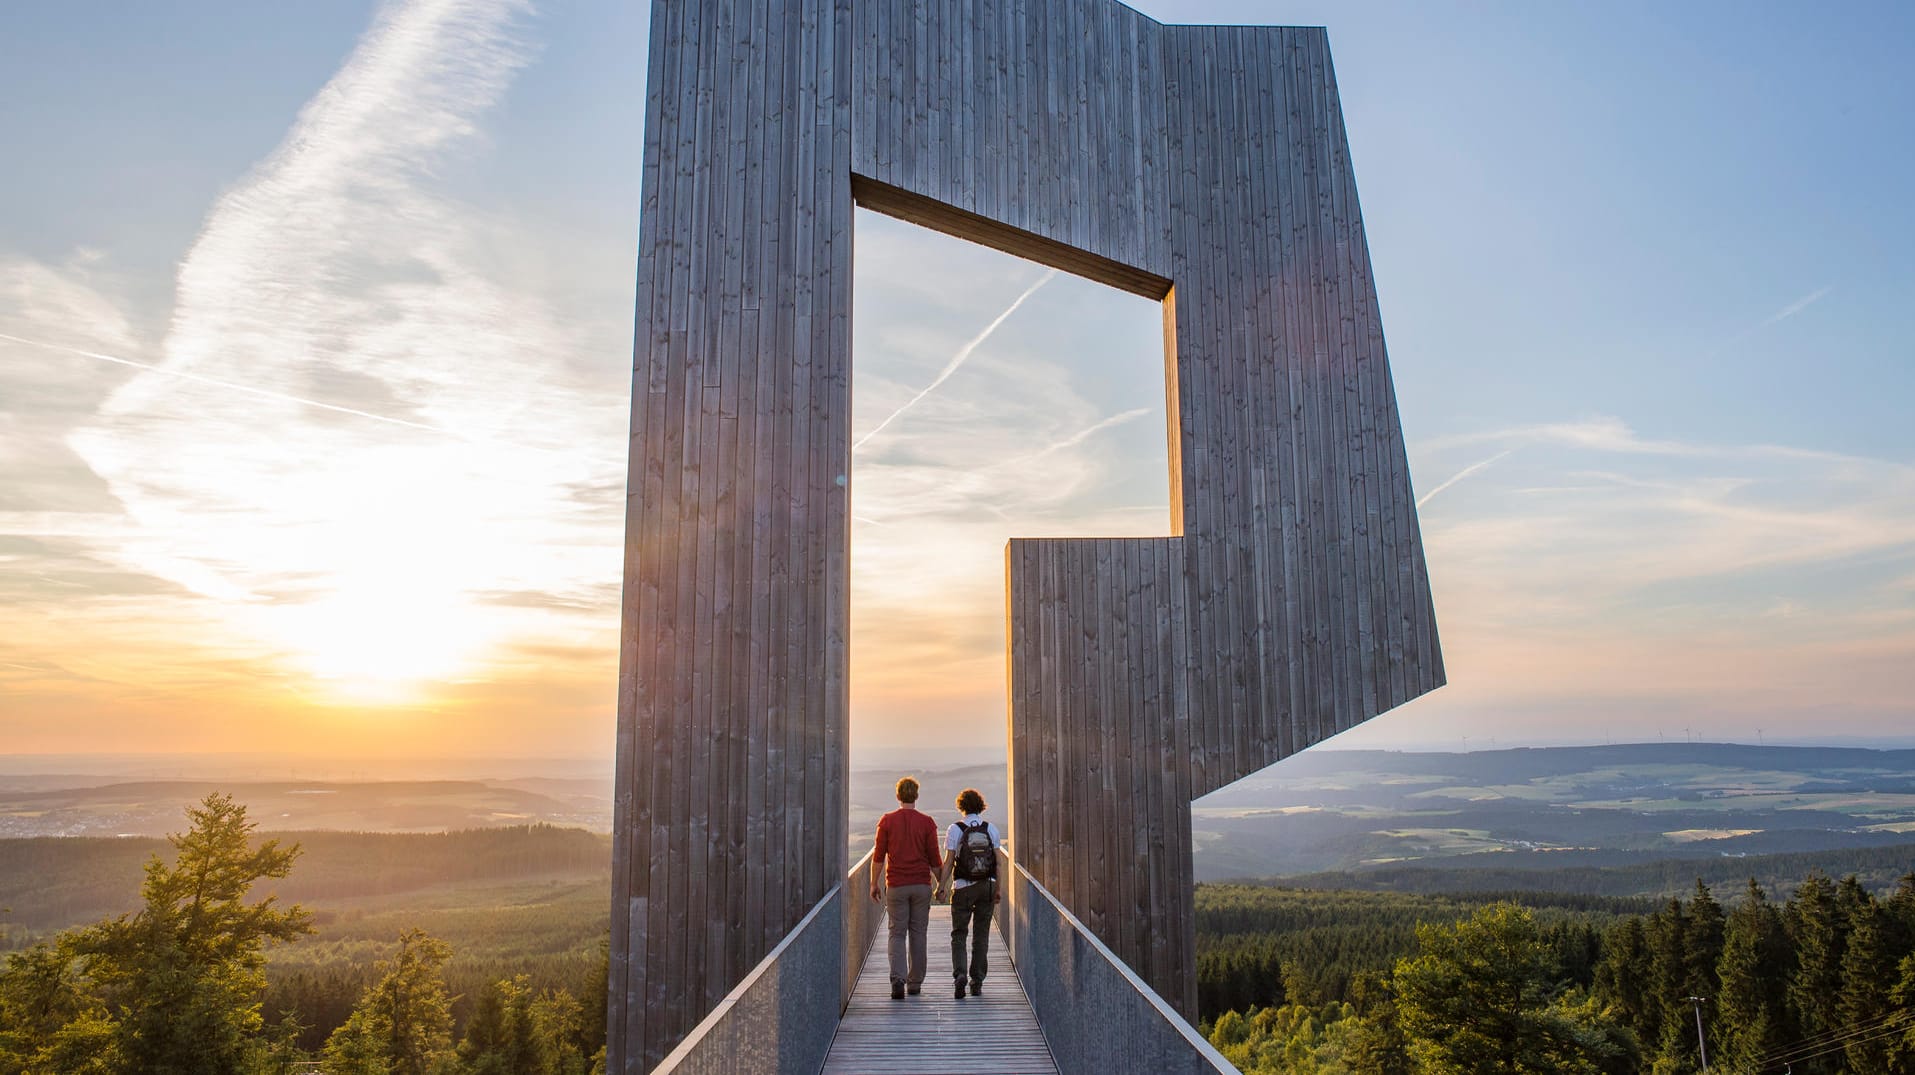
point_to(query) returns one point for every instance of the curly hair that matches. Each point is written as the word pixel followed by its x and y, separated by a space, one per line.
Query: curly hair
pixel 908 790
pixel 970 802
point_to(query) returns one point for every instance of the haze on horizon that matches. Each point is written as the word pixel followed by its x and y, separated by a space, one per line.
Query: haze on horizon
pixel 315 333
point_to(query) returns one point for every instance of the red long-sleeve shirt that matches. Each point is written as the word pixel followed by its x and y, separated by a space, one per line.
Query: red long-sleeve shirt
pixel 908 847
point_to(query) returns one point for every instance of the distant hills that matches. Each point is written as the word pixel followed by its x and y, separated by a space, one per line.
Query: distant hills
pixel 1555 808
pixel 50 883
pixel 157 807
pixel 1353 818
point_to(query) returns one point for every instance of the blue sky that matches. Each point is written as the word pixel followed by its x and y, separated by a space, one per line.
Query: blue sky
pixel 1645 275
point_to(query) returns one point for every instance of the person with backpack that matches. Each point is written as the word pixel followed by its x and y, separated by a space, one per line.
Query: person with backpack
pixel 971 857
pixel 907 852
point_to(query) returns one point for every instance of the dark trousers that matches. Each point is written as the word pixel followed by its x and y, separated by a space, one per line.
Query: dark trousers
pixel 971 908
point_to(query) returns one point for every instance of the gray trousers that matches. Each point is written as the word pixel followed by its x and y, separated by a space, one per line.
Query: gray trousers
pixel 909 909
pixel 971 908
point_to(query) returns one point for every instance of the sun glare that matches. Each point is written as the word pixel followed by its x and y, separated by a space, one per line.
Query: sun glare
pixel 366 647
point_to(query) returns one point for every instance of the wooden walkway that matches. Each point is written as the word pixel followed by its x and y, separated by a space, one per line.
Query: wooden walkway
pixel 934 1033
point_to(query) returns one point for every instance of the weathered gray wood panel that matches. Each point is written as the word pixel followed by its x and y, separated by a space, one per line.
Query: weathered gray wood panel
pixel 1303 565
pixel 1292 601
pixel 1099 754
pixel 730 805
pixel 1203 165
pixel 1042 115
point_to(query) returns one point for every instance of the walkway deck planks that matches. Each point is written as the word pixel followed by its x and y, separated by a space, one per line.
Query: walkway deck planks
pixel 934 1033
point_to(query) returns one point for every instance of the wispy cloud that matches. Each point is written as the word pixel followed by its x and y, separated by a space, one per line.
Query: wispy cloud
pixel 958 359
pixel 1676 510
pixel 185 375
pixel 1021 445
pixel 353 393
pixel 1671 574
pixel 1088 432
pixel 1608 434
pixel 1797 306
pixel 42 397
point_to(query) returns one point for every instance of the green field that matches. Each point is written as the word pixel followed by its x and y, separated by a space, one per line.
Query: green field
pixel 1550 809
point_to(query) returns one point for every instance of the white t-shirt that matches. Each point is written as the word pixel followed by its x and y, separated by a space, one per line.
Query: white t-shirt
pixel 955 835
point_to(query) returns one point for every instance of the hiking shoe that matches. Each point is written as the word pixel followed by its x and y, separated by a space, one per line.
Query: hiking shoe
pixel 960 989
pixel 975 986
pixel 897 990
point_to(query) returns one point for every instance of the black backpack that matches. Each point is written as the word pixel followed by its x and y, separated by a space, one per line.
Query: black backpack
pixel 976 853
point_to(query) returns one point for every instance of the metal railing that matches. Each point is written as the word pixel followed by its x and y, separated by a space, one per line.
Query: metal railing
pixel 863 917
pixel 1098 1016
pixel 782 1017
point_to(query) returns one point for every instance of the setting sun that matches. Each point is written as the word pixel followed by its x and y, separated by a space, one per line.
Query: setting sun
pixel 364 647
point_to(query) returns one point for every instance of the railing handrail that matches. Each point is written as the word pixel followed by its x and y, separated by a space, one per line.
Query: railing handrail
pixel 857 948
pixel 1182 1047
pixel 1200 1050
pixel 712 1045
pixel 717 1015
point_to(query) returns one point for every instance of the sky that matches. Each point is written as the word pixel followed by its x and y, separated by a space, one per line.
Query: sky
pixel 315 338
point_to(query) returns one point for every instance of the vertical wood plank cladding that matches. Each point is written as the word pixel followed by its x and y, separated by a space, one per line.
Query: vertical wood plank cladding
pixel 1289 446
pixel 1207 166
pixel 1293 597
pixel 1047 99
pixel 1100 802
pixel 730 805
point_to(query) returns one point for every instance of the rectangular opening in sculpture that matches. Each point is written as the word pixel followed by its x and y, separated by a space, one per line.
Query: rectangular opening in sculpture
pixel 992 397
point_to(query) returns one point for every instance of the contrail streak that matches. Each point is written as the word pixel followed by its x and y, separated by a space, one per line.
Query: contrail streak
pixel 1797 306
pixel 958 359
pixel 1083 435
pixel 1460 475
pixel 230 386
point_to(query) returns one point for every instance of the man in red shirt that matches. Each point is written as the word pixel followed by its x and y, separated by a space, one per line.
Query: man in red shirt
pixel 907 852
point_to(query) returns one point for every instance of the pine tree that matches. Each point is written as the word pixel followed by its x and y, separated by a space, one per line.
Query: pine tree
pixel 1702 945
pixel 1675 1041
pixel 1868 969
pixel 174 988
pixel 1901 903
pixel 1374 1043
pixel 1901 1045
pixel 1851 900
pixel 1701 950
pixel 1479 999
pixel 403 1023
pixel 1622 977
pixel 49 1020
pixel 1901 913
pixel 591 992
pixel 558 1024
pixel 1817 933
pixel 498 1037
pixel 1752 1005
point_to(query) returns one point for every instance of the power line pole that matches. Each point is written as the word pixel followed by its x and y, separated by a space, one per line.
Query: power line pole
pixel 1701 1046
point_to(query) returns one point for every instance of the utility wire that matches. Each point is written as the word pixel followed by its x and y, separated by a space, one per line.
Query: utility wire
pixel 1835 1040
pixel 1837 1047
pixel 1818 1040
